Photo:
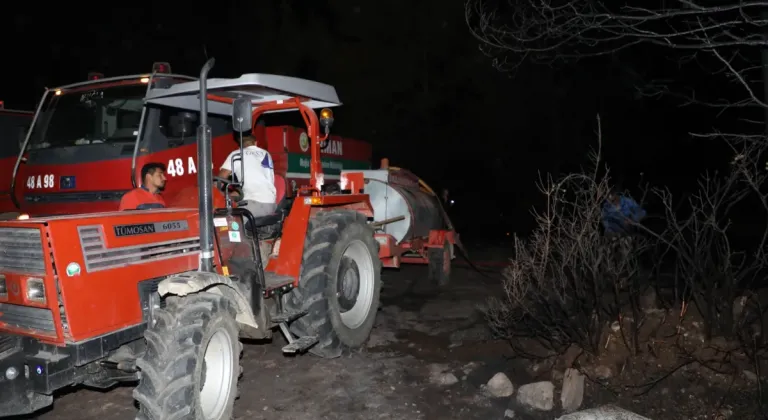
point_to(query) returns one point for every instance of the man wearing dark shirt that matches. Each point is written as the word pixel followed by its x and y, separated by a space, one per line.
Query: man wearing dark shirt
pixel 147 196
pixel 619 213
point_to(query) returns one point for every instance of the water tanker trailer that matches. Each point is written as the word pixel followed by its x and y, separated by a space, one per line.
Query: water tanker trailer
pixel 410 222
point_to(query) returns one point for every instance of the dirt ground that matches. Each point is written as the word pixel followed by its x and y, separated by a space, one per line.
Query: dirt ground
pixel 429 357
pixel 390 379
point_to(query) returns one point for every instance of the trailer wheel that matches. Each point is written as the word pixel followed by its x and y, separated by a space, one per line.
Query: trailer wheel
pixel 192 362
pixel 440 265
pixel 339 283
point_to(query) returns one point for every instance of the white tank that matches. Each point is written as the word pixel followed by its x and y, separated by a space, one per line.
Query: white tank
pixel 395 193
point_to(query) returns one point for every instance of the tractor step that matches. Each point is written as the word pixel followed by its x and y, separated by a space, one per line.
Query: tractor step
pixel 300 344
pixel 296 345
pixel 288 316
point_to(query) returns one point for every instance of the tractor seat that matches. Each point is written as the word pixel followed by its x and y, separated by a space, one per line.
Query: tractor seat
pixel 270 226
pixel 272 219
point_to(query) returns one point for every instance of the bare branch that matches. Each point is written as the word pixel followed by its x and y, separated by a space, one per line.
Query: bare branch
pixel 720 37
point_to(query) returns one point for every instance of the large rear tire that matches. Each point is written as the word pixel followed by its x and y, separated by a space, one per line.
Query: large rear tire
pixel 192 364
pixel 339 283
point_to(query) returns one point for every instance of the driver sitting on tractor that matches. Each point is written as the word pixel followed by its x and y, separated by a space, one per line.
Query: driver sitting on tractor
pixel 259 192
pixel 147 196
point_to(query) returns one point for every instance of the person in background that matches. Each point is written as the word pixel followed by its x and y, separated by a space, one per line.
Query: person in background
pixel 147 196
pixel 259 192
pixel 620 213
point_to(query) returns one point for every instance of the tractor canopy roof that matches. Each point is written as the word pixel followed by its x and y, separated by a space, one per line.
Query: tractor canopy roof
pixel 260 88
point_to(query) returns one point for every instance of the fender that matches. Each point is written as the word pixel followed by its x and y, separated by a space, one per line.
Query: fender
pixel 184 284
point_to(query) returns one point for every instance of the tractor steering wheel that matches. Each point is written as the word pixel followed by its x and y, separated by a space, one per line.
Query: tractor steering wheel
pixel 225 186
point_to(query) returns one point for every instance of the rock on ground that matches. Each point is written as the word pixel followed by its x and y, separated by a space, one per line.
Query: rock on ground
pixel 750 376
pixel 603 372
pixel 500 385
pixel 572 394
pixel 608 412
pixel 537 395
pixel 470 367
pixel 445 379
pixel 439 375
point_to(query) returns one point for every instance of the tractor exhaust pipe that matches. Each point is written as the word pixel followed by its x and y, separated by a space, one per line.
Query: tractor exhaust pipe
pixel 204 175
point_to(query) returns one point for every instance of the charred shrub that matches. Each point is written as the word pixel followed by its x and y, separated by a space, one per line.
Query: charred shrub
pixel 568 279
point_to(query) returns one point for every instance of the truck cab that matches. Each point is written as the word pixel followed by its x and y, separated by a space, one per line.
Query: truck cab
pixel 89 140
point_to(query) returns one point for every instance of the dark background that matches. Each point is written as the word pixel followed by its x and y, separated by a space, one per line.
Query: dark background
pixel 413 83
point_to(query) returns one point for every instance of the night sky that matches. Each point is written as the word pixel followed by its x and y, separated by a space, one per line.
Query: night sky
pixel 413 81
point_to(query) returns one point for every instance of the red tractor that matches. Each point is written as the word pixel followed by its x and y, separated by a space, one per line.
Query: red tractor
pixel 13 128
pixel 162 296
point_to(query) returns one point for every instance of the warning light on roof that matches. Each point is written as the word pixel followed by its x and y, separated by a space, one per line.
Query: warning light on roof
pixel 161 67
pixel 58 92
pixel 95 76
pixel 144 80
pixel 22 216
pixel 326 119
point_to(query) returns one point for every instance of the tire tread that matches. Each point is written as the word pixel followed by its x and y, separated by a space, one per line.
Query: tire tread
pixel 166 389
pixel 323 232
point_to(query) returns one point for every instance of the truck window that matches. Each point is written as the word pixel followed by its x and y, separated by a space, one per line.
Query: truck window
pixel 179 127
pixel 82 117
pixel 13 130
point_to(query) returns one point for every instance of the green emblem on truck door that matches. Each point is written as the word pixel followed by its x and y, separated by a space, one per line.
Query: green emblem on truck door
pixel 73 269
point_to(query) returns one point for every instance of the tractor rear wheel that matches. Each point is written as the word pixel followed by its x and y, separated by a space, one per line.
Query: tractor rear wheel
pixel 339 283
pixel 440 265
pixel 192 362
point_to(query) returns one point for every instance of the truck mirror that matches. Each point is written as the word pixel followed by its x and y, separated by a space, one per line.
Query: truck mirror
pixel 241 115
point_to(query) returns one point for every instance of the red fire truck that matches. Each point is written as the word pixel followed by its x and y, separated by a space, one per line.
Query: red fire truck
pixel 89 140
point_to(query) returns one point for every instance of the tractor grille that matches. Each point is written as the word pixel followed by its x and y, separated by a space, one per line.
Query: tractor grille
pixel 21 251
pixel 8 342
pixel 38 319
pixel 98 257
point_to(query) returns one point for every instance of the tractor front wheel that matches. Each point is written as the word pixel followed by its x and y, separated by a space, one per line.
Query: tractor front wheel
pixel 339 284
pixel 192 362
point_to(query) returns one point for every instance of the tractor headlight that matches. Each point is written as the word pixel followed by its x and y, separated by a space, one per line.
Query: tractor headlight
pixel 35 290
pixel 3 287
